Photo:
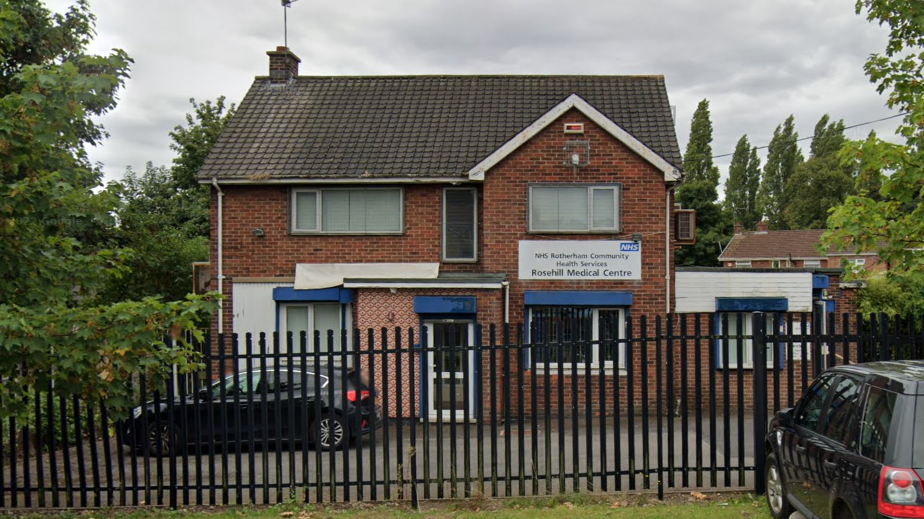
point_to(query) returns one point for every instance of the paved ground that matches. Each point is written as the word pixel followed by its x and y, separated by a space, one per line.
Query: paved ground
pixel 548 463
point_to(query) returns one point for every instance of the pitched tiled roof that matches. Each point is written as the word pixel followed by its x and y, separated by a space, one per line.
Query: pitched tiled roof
pixel 415 126
pixel 774 245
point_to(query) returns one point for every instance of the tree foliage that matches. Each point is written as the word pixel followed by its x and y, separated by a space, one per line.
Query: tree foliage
pixel 742 185
pixel 53 210
pixel 886 215
pixel 783 156
pixel 699 191
pixel 897 295
pixel 194 141
pixel 822 182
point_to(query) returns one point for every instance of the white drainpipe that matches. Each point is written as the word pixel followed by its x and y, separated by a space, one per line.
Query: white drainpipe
pixel 506 285
pixel 221 273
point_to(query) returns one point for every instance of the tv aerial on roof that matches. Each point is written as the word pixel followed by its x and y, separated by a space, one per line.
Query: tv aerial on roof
pixel 286 4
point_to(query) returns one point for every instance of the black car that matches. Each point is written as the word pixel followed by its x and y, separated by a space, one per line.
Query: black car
pixel 852 447
pixel 249 410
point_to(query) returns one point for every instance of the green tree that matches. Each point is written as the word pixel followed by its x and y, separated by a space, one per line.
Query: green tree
pixel 699 191
pixel 164 215
pixel 890 220
pixel 194 141
pixel 822 182
pixel 782 158
pixel 742 184
pixel 51 198
pixel 896 295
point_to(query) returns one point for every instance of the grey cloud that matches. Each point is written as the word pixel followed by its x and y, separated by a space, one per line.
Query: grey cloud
pixel 756 61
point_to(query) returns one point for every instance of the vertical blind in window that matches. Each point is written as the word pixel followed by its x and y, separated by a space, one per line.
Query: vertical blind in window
pixel 459 224
pixel 361 210
pixel 574 208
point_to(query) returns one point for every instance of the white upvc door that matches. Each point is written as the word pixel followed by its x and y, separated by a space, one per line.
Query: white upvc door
pixel 450 367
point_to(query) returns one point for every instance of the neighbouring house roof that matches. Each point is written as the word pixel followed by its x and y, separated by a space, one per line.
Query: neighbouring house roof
pixel 419 127
pixel 781 245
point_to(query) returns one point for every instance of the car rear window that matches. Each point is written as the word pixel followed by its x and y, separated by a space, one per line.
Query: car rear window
pixel 876 427
pixel 918 441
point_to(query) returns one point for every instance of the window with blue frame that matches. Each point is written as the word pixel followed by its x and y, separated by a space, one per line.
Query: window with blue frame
pixel 322 317
pixel 736 330
pixel 582 332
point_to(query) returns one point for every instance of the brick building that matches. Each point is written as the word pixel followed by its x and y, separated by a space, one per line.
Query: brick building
pixel 790 249
pixel 442 202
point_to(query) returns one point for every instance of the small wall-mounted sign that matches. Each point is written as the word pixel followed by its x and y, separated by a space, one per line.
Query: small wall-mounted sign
pixel 574 128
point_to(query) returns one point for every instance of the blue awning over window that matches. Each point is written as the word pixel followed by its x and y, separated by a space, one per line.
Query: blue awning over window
pixel 340 295
pixel 751 304
pixel 446 305
pixel 577 298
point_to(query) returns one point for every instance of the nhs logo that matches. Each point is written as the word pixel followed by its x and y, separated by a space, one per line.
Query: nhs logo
pixel 629 247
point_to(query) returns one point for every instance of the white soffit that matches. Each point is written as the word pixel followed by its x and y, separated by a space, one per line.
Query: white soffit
pixel 312 276
pixel 671 173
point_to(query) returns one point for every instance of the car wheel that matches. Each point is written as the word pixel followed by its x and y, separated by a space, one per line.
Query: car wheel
pixel 162 439
pixel 329 432
pixel 776 490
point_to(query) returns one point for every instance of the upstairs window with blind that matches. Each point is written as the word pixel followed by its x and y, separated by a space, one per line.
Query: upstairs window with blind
pixel 460 224
pixel 575 208
pixel 347 211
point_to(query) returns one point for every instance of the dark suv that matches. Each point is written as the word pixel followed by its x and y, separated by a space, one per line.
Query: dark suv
pixel 853 447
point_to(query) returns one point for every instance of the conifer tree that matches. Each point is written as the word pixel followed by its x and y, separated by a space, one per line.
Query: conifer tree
pixel 782 158
pixel 742 185
pixel 699 191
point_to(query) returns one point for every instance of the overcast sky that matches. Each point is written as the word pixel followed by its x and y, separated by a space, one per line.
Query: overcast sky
pixel 756 61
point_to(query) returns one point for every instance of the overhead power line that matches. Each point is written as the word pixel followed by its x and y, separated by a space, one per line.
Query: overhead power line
pixel 810 138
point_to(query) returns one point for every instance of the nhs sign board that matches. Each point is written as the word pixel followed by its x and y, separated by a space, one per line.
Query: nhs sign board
pixel 585 260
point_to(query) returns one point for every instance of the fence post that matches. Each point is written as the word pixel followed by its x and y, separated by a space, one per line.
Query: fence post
pixel 759 343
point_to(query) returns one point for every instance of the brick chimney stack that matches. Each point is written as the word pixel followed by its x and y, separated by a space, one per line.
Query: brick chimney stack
pixel 763 226
pixel 283 64
pixel 738 228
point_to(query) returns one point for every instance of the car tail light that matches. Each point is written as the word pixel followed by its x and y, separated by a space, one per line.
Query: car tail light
pixel 351 395
pixel 901 493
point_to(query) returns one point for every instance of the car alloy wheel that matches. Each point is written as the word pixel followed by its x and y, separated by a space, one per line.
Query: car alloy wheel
pixel 776 490
pixel 330 432
pixel 161 440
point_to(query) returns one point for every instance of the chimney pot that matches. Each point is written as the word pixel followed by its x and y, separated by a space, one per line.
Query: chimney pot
pixel 283 64
pixel 738 227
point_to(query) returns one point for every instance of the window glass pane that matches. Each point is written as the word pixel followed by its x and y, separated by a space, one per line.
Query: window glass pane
pixel 733 331
pixel 306 211
pixel 877 421
pixel 459 225
pixel 241 384
pixel 297 322
pixel 357 211
pixel 604 207
pixel 609 326
pixel 843 407
pixel 327 317
pixel 382 210
pixel 572 208
pixel 569 324
pixel 559 208
pixel 544 210
pixel 335 211
pixel 813 401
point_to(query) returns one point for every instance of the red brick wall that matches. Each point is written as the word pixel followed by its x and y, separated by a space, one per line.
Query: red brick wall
pixel 539 160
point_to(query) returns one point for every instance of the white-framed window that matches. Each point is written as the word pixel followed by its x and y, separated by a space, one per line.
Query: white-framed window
pixel 310 317
pixel 775 264
pixel 811 263
pixel 859 262
pixel 743 264
pixel 740 330
pixel 599 332
pixel 347 211
pixel 575 208
pixel 460 224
